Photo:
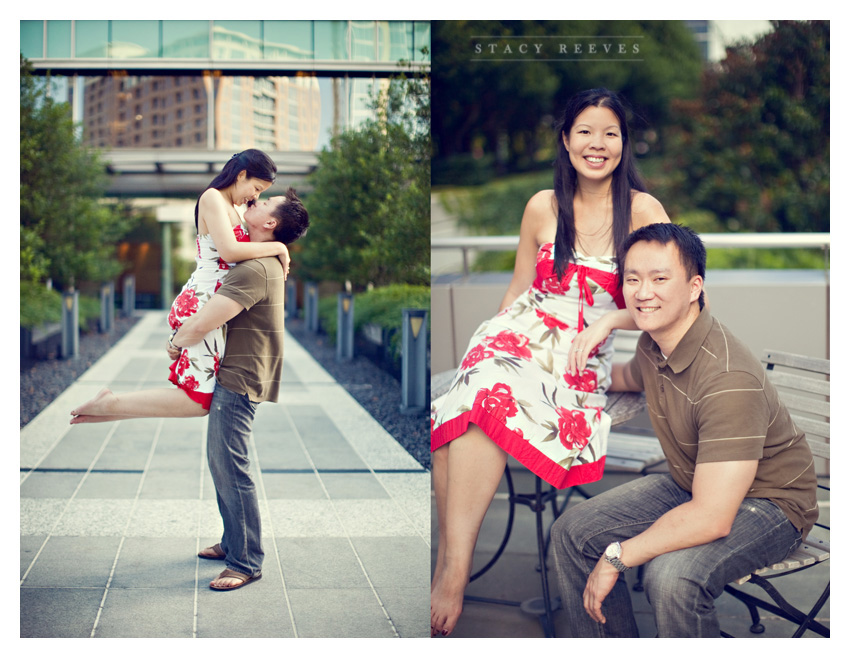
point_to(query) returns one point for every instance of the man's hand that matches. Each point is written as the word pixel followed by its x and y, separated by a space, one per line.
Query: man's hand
pixel 600 582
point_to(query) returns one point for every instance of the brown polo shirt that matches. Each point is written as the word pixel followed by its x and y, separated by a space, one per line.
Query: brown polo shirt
pixel 711 401
pixel 253 350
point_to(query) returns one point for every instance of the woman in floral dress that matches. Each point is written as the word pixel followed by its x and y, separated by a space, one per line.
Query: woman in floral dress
pixel 222 241
pixel 532 383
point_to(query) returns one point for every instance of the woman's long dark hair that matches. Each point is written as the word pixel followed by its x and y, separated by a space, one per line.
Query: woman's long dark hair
pixel 254 162
pixel 624 180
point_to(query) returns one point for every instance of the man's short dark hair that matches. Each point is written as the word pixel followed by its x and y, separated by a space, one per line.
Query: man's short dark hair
pixel 691 249
pixel 292 218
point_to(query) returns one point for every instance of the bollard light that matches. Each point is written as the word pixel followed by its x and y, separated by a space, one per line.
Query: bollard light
pixel 311 307
pixel 128 306
pixel 70 325
pixel 103 325
pixel 345 327
pixel 110 309
pixel 290 302
pixel 414 359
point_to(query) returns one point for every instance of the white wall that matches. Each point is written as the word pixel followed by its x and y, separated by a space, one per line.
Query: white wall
pixel 778 309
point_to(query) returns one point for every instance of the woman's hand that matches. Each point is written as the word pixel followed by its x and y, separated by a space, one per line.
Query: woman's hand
pixel 585 341
pixel 583 345
pixel 284 260
pixel 171 348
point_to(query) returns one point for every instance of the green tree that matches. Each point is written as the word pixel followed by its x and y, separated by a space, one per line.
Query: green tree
pixel 67 232
pixel 370 203
pixel 503 112
pixel 753 149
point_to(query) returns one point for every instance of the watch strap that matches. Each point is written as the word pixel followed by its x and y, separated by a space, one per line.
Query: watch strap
pixel 617 564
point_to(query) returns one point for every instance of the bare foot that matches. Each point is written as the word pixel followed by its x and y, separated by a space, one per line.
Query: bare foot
pixel 84 418
pixel 446 603
pixel 99 405
pixel 226 583
pixel 212 553
pixel 438 571
pixel 230 579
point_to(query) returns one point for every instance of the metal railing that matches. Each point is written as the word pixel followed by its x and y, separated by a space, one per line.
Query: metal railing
pixel 711 241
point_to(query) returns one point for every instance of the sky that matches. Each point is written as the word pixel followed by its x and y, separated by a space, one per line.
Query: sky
pixel 730 31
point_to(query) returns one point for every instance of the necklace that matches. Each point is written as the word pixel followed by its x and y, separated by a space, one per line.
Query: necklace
pixel 602 225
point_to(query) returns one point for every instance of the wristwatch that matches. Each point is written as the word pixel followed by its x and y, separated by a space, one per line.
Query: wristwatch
pixel 171 339
pixel 612 556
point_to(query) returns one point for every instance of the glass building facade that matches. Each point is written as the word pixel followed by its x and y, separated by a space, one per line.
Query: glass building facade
pixel 199 84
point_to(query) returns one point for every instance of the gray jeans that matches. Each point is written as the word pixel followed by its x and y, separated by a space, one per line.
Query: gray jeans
pixel 681 585
pixel 228 433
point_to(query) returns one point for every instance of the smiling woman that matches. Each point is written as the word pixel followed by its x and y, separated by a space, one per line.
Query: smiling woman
pixel 532 383
pixel 595 143
pixel 224 238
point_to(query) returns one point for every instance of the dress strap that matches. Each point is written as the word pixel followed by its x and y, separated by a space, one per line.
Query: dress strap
pixel 607 280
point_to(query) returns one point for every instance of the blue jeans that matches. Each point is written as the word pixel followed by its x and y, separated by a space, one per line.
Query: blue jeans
pixel 230 420
pixel 681 585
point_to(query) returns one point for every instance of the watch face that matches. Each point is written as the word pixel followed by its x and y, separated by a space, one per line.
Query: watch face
pixel 613 550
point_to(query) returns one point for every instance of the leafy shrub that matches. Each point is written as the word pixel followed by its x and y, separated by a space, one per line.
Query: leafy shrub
pixel 496 208
pixel 733 258
pixel 39 305
pixel 42 306
pixel 380 306
pixel 89 313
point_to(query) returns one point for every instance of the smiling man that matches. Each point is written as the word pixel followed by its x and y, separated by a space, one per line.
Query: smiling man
pixel 741 491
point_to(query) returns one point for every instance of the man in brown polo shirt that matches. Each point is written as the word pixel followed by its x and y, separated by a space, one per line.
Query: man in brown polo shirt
pixel 741 491
pixel 251 303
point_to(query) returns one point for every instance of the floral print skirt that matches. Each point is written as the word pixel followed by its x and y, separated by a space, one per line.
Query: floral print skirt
pixel 513 384
pixel 195 370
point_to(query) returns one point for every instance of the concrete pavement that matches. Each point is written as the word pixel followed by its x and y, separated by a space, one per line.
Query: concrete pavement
pixel 113 514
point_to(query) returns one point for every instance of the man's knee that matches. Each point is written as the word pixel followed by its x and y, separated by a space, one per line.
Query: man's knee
pixel 673 578
pixel 562 531
pixel 574 533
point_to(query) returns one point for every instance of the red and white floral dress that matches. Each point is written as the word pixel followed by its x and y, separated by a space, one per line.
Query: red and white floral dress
pixel 197 366
pixel 513 381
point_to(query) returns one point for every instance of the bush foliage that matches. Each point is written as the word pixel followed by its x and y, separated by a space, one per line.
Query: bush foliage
pixel 370 202
pixel 67 234
pixel 380 306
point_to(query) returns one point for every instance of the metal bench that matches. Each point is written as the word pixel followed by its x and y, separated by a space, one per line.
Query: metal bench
pixel 803 384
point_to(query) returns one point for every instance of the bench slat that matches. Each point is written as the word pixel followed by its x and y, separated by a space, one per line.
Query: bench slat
pixel 810 363
pixel 818 448
pixel 811 426
pixel 809 552
pixel 632 453
pixel 800 403
pixel 625 465
pixel 798 382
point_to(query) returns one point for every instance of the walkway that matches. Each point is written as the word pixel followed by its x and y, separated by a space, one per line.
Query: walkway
pixel 113 514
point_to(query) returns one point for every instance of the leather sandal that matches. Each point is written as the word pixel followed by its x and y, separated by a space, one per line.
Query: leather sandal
pixel 219 554
pixel 229 573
